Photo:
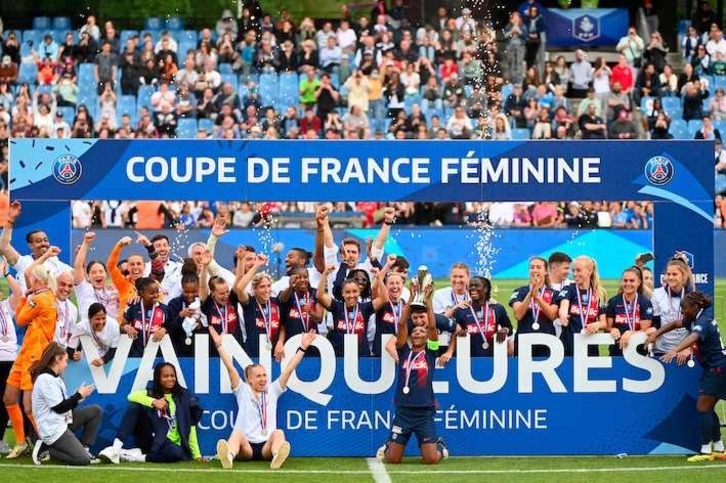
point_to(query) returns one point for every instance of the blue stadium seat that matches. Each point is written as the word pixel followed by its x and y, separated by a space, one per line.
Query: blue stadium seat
pixel 86 73
pixel 506 90
pixel 269 89
pixel 25 49
pixel 718 81
pixel 155 34
pixel 646 104
pixel 183 47
pixel 206 124
pixel 62 23
pixel 153 23
pixel 41 23
pixel 288 80
pixel 720 125
pixel 679 124
pixel 672 105
pixel 694 125
pixel 45 89
pixel 232 79
pixel 335 80
pixel 68 114
pixel 678 132
pixel 186 128
pixel 174 23
pixel 226 69
pixel 125 35
pixel 186 36
pixel 34 36
pixel 27 73
pixel 89 99
pixel 521 133
pixel 143 97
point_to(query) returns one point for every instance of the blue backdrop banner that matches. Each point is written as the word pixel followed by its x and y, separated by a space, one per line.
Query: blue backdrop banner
pixel 495 406
pixel 580 27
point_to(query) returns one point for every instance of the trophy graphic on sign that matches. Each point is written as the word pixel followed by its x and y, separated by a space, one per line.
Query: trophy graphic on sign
pixel 424 279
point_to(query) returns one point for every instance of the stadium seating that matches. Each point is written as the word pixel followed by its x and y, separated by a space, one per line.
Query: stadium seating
pixel 520 134
pixel 62 24
pixel 27 73
pixel 694 125
pixel 206 124
pixel 174 23
pixel 41 23
pixel 153 23
pixel 186 128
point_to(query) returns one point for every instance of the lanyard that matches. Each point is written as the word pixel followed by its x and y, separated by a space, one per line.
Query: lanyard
pixel 630 320
pixel 455 298
pixel 267 319
pixel 485 331
pixel 536 308
pixel 66 323
pixel 146 324
pixel 676 309
pixel 103 298
pixel 222 316
pixel 579 305
pixel 261 405
pixel 409 365
pixel 4 324
pixel 304 317
pixel 97 339
pixel 396 309
pixel 350 324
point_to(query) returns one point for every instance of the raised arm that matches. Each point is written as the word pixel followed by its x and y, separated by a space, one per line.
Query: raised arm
pixel 79 266
pixel 117 277
pixel 389 217
pixel 204 276
pixel 52 251
pixel 323 297
pixel 219 229
pixel 260 261
pixel 321 219
pixel 428 296
pixel 234 378
pixel 305 342
pixel 6 249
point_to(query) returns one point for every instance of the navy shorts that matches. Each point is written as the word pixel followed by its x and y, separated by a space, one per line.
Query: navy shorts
pixel 413 420
pixel 713 383
pixel 257 451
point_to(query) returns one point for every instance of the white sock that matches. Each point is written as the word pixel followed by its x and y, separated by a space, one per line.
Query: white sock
pixel 706 448
pixel 718 446
pixel 118 444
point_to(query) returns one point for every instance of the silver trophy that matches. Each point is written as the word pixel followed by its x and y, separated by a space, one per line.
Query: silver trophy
pixel 424 279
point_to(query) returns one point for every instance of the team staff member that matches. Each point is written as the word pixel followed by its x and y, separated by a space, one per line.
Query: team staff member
pixel 38 312
pixel 414 398
pixel 146 319
pixel 704 334
pixel 91 283
pixel 482 319
pixel 350 316
pixel 666 302
pixel 582 305
pixel 534 306
pixel 629 312
pixel 58 416
pixel 8 342
pixel 301 311
pixel 102 330
pixel 255 435
pixel 37 242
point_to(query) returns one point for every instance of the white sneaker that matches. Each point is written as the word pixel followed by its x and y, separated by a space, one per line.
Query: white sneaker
pixel 18 450
pixel 40 453
pixel 381 453
pixel 279 458
pixel 110 455
pixel 224 455
pixel 133 455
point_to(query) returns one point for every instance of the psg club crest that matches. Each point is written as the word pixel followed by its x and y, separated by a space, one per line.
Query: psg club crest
pixel 586 27
pixel 659 170
pixel 67 169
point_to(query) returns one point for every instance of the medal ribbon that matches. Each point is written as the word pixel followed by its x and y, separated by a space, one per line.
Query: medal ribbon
pixel 410 363
pixel 350 325
pixel 266 319
pixel 485 331
pixel 146 325
pixel 4 324
pixel 304 317
pixel 396 315
pixel 261 405
pixel 535 307
pixel 630 320
pixel 579 305
pixel 223 315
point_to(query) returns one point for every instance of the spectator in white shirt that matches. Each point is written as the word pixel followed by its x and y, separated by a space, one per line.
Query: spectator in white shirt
pixel 346 37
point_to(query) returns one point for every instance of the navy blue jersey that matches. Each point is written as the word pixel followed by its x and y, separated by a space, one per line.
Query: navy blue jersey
pixel 294 317
pixel 482 328
pixel 347 321
pixel 387 318
pixel 420 378
pixel 443 324
pixel 627 316
pixel 524 326
pixel 710 350
pixel 262 319
pixel 178 336
pixel 155 318
pixel 591 306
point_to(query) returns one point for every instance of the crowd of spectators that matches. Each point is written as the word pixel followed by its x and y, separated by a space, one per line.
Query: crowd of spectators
pixel 201 214
pixel 376 75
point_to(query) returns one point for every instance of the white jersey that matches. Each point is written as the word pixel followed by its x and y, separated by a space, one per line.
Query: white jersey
pixel 444 299
pixel 86 295
pixel 667 306
pixel 53 265
pixel 106 339
pixel 66 322
pixel 8 337
pixel 249 419
pixel 171 284
pixel 48 392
